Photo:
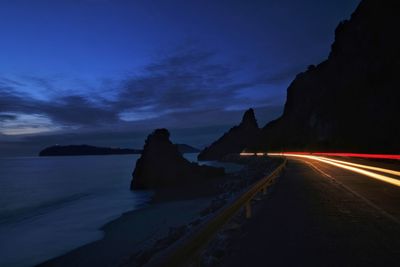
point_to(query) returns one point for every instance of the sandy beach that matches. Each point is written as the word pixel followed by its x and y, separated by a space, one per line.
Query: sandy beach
pixel 131 233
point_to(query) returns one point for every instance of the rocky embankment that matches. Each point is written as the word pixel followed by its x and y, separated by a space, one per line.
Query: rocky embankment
pixel 235 140
pixel 350 102
pixel 230 188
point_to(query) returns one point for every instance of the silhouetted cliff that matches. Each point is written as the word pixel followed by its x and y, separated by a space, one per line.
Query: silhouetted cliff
pixel 162 165
pixel 234 141
pixel 351 101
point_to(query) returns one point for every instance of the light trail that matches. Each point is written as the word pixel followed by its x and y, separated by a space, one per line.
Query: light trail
pixel 388 171
pixel 376 176
pixel 247 154
pixel 259 154
pixel 352 155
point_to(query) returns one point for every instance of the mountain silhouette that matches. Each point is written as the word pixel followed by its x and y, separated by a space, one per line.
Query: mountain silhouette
pixel 351 101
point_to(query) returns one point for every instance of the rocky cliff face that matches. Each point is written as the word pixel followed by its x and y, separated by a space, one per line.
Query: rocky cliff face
pixel 235 140
pixel 162 165
pixel 351 101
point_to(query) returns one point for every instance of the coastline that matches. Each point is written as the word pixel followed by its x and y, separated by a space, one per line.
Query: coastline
pixel 50 208
pixel 136 236
pixel 131 232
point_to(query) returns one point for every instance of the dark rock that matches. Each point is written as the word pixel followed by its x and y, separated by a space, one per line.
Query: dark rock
pixel 234 141
pixel 162 165
pixel 350 102
pixel 83 150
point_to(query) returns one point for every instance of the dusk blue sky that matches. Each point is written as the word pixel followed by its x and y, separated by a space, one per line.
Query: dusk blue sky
pixel 108 72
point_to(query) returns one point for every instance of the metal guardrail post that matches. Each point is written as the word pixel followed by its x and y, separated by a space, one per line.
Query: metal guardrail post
pixel 248 209
pixel 264 190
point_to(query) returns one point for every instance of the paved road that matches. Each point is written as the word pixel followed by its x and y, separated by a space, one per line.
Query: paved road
pixel 320 215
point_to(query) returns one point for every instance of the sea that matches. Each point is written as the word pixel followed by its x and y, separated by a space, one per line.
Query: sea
pixel 52 205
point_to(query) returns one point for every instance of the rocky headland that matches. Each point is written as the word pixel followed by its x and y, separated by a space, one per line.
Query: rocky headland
pixel 235 140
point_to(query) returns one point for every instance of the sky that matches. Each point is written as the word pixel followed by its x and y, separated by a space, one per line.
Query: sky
pixel 108 72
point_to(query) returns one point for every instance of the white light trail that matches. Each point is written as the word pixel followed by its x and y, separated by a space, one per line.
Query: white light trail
pixel 346 165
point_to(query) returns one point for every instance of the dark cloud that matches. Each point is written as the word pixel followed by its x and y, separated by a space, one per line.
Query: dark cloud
pixel 176 82
pixel 13 101
pixel 6 81
pixel 70 110
pixel 7 117
pixel 187 93
pixel 78 110
pixel 185 88
pixel 44 83
pixel 188 80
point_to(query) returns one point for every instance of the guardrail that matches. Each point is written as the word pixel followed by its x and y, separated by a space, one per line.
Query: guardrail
pixel 189 248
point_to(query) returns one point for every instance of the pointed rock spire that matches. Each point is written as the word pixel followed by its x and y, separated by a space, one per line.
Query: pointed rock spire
pixel 249 119
pixel 235 140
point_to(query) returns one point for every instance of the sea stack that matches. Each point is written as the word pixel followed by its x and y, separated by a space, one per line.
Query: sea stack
pixel 235 140
pixel 161 165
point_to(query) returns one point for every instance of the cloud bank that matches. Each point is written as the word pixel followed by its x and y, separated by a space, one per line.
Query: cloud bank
pixel 188 88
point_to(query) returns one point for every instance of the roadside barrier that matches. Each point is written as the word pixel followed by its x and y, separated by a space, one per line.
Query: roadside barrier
pixel 189 248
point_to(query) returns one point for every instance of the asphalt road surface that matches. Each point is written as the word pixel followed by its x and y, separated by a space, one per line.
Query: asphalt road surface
pixel 321 215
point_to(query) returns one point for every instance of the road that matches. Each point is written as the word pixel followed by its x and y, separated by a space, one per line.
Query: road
pixel 318 214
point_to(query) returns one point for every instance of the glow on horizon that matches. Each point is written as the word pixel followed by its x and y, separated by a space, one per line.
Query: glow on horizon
pixel 346 166
pixel 28 124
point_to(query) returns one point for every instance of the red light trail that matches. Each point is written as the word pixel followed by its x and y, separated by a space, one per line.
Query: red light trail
pixel 353 155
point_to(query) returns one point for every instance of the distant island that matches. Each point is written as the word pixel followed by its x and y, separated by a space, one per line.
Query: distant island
pixel 81 150
pixel 87 150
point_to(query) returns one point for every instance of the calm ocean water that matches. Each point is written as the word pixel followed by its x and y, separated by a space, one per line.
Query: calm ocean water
pixel 51 205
